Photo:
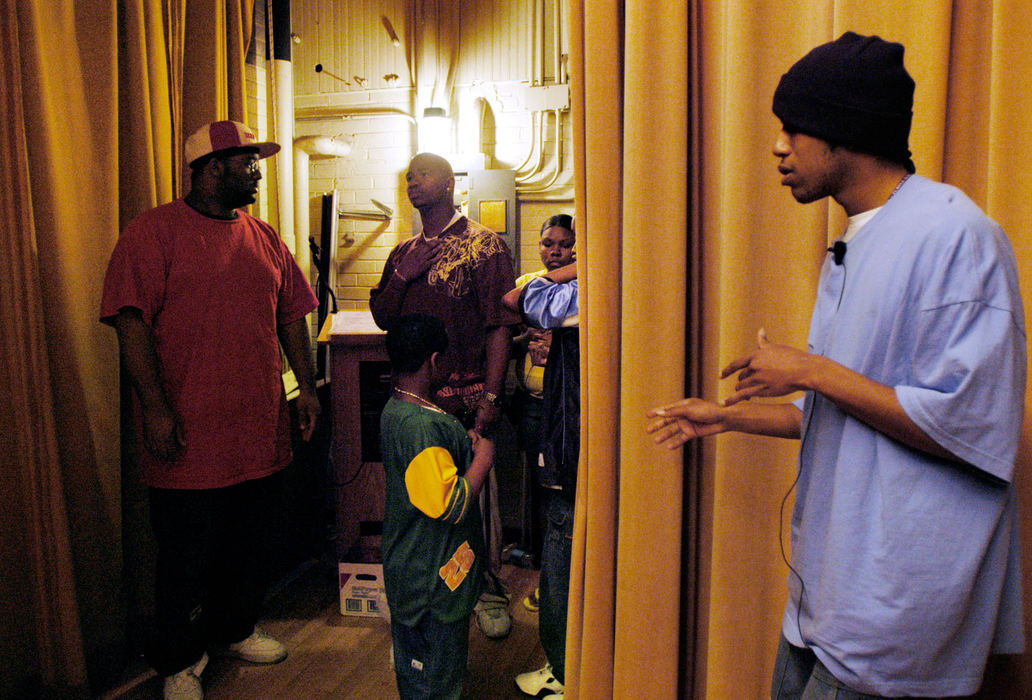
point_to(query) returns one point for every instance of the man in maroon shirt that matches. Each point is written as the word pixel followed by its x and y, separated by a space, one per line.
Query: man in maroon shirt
pixel 458 271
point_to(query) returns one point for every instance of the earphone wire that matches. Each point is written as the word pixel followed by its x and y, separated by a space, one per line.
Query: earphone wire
pixel 784 556
pixel 781 535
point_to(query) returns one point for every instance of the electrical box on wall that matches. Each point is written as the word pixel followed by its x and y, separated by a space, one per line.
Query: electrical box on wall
pixel 492 202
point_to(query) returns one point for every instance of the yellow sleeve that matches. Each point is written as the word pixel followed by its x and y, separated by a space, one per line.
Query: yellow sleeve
pixel 527 277
pixel 435 487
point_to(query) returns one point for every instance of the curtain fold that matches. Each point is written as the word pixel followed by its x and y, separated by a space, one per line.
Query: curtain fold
pixel 36 573
pixel 652 360
pixel 733 252
pixel 69 74
pixel 90 93
pixel 598 114
pixel 631 224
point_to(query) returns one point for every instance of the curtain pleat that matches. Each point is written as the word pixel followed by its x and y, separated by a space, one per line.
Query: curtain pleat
pixel 69 68
pixel 91 93
pixel 43 649
pixel 652 332
pixel 239 19
pixel 597 92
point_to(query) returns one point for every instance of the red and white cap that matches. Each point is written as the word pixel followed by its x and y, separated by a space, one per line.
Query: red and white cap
pixel 225 135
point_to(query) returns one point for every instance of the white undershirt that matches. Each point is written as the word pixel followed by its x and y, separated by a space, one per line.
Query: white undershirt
pixel 856 222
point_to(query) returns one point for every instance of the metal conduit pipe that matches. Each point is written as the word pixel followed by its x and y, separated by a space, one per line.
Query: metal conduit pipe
pixel 558 158
pixel 306 147
pixel 537 77
pixel 539 42
pixel 537 129
pixel 557 51
pixel 539 166
pixel 324 113
pixel 529 197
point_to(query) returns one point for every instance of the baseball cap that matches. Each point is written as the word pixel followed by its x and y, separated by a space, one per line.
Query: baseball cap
pixel 225 135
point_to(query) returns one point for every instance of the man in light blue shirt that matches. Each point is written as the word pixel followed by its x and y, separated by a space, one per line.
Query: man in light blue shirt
pixel 905 549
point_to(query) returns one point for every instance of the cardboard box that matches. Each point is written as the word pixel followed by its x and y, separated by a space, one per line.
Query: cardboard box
pixel 361 590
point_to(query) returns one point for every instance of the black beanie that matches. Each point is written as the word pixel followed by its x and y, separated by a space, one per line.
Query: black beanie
pixel 851 92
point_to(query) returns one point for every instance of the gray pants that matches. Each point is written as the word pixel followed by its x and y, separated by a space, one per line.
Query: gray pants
pixel 799 675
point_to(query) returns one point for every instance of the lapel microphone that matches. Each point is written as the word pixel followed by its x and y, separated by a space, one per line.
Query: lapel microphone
pixel 838 251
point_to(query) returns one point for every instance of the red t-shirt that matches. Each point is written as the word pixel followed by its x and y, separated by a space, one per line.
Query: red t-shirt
pixel 213 292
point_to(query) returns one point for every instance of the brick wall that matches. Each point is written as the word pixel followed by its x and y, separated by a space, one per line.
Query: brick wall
pixel 493 66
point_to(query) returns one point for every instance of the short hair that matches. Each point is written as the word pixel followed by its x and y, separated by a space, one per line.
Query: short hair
pixel 561 220
pixel 412 339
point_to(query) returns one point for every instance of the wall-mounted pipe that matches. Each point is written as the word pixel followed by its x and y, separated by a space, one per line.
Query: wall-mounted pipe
pixel 557 44
pixel 535 129
pixel 558 159
pixel 306 147
pixel 539 43
pixel 283 127
pixel 308 114
pixel 323 146
pixel 540 152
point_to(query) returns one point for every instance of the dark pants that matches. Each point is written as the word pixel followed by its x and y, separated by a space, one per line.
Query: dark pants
pixel 430 658
pixel 555 581
pixel 210 581
pixel 529 413
pixel 799 675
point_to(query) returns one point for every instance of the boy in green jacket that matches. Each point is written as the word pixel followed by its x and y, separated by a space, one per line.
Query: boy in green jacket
pixel 432 536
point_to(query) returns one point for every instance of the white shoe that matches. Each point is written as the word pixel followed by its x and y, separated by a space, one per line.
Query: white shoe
pixel 186 685
pixel 258 648
pixel 554 696
pixel 534 682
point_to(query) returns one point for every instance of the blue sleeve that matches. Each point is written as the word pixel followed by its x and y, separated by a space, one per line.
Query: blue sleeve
pixel 969 369
pixel 545 304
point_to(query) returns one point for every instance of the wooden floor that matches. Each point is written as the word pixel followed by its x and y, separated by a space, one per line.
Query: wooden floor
pixel 333 656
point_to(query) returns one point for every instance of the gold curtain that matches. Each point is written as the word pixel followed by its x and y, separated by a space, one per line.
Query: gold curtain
pixel 35 570
pixel 214 40
pixel 678 579
pixel 88 92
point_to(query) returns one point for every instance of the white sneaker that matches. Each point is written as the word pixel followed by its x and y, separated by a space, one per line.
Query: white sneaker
pixel 186 685
pixel 534 682
pixel 554 696
pixel 258 648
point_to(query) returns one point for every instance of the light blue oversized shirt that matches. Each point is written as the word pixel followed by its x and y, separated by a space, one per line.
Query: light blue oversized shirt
pixel 546 304
pixel 911 564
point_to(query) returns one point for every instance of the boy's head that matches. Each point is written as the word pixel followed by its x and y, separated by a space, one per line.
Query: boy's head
pixel 852 92
pixel 413 339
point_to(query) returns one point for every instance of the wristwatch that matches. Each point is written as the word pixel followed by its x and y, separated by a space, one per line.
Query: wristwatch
pixel 493 398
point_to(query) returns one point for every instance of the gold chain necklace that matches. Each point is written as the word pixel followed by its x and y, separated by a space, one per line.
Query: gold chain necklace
pixel 899 185
pixel 426 402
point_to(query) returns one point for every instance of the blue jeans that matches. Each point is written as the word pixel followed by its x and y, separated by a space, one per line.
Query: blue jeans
pixel 430 658
pixel 799 675
pixel 555 581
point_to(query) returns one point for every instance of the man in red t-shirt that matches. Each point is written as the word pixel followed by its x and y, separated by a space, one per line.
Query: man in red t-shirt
pixel 202 296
